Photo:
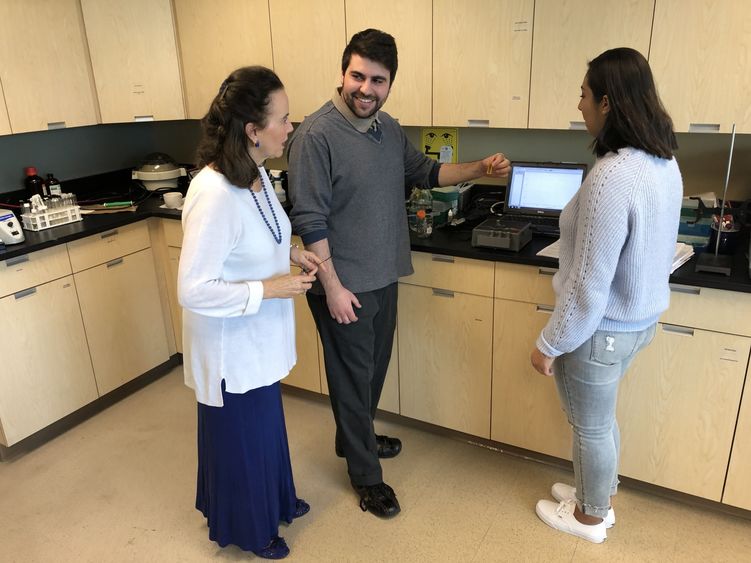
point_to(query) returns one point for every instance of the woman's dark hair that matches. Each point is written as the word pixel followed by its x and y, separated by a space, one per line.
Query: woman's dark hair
pixel 636 118
pixel 243 98
pixel 375 45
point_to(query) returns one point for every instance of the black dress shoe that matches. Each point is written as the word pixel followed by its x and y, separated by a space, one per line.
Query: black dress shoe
pixel 379 500
pixel 276 549
pixel 387 447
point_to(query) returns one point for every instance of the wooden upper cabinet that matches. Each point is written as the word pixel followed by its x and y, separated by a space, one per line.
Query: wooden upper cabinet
pixel 411 25
pixel 481 59
pixel 211 47
pixel 134 57
pixel 699 56
pixel 4 122
pixel 308 39
pixel 44 66
pixel 568 34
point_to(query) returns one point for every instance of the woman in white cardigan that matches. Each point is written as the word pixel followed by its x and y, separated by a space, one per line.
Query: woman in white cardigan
pixel 236 289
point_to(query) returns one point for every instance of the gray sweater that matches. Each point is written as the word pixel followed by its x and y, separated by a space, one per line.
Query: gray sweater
pixel 350 188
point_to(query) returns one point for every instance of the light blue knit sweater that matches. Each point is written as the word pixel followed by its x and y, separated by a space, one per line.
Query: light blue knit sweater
pixel 618 237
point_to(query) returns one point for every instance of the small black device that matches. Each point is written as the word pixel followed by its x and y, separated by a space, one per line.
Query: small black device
pixel 499 232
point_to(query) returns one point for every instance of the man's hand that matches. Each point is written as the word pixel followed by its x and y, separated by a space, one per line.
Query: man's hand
pixel 542 363
pixel 340 301
pixel 496 166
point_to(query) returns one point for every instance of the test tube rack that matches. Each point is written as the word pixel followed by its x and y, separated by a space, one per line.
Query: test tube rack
pixel 40 220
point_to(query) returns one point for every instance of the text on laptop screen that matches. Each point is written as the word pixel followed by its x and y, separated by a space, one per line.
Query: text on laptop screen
pixel 540 189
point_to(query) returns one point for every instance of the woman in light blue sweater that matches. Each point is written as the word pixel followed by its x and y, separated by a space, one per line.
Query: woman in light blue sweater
pixel 618 237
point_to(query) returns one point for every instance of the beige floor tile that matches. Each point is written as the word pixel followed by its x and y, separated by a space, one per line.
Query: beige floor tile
pixel 121 486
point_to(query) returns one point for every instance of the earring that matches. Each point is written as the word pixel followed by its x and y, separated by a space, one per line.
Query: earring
pixel 257 144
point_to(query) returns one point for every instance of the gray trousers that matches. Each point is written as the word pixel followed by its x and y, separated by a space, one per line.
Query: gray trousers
pixel 356 357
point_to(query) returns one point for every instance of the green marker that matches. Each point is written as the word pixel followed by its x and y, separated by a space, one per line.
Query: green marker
pixel 117 204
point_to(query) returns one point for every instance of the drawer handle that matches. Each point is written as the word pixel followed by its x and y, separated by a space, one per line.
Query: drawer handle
pixel 685 289
pixel 17 260
pixel 675 329
pixel 442 258
pixel 577 126
pixel 114 262
pixel 544 309
pixel 109 234
pixel 703 127
pixel 478 123
pixel 443 293
pixel 142 118
pixel 55 125
pixel 25 292
pixel 546 271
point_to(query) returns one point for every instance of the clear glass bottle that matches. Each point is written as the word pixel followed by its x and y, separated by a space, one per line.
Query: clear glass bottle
pixel 421 223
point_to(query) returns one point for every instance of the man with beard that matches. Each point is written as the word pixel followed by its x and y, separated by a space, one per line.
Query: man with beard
pixel 349 164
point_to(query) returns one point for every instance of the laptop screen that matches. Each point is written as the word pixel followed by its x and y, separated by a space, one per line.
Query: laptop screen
pixel 542 188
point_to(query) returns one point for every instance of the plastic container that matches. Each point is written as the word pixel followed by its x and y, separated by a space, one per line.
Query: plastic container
pixel 420 200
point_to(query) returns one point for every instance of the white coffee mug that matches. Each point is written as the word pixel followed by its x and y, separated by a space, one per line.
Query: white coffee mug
pixel 173 200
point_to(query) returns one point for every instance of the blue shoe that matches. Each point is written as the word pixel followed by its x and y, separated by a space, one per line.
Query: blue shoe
pixel 301 508
pixel 277 549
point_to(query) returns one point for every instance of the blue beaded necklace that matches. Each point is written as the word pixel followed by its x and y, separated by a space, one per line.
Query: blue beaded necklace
pixel 278 234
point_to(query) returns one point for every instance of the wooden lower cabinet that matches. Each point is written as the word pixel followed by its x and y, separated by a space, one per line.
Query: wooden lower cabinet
pixel 677 409
pixel 526 411
pixel 176 310
pixel 737 490
pixel 46 371
pixel 445 341
pixel 305 374
pixel 122 314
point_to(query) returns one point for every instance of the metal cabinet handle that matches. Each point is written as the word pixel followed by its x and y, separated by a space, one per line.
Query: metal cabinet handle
pixel 546 271
pixel 544 309
pixel 577 126
pixel 56 125
pixel 687 289
pixel 25 292
pixel 442 258
pixel 109 234
pixel 703 127
pixel 442 292
pixel 478 123
pixel 17 260
pixel 114 262
pixel 675 329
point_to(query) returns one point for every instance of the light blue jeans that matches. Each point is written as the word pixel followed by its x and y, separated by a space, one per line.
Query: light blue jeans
pixel 587 380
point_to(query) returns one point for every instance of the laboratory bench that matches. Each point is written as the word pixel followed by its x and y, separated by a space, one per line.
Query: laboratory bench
pixel 467 321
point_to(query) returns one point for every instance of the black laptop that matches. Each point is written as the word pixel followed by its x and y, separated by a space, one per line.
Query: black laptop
pixel 537 192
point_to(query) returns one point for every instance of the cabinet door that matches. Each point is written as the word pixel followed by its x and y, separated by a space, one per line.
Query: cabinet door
pixel 308 39
pixel 677 409
pixel 177 311
pixel 526 410
pixel 122 314
pixel 482 52
pixel 305 374
pixel 46 371
pixel 445 358
pixel 699 55
pixel 410 24
pixel 134 57
pixel 568 34
pixel 737 492
pixel 4 122
pixel 50 85
pixel 211 47
pixel 390 392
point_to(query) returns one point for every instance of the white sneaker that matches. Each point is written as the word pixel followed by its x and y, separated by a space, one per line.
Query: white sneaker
pixel 561 517
pixel 561 491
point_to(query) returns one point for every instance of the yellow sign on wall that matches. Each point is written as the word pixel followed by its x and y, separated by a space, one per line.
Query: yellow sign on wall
pixel 441 144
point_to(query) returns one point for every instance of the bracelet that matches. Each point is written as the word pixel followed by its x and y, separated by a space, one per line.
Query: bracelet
pixel 297 246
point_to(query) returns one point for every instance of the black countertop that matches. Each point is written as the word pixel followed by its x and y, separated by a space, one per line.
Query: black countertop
pixel 443 241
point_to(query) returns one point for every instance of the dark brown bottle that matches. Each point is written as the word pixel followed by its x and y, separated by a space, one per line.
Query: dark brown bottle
pixel 34 184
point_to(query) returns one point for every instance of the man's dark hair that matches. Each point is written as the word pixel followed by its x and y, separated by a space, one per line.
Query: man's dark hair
pixel 375 45
pixel 637 117
pixel 243 98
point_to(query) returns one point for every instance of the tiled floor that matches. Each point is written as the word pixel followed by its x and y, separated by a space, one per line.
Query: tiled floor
pixel 120 487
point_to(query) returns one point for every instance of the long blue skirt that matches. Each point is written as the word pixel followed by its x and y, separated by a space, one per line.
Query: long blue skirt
pixel 245 486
